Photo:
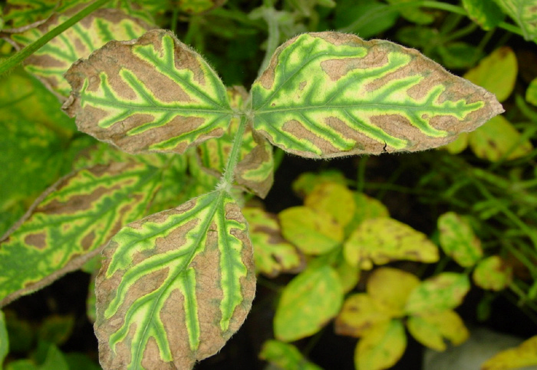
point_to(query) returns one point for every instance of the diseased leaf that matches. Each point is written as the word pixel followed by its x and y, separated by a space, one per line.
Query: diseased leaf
pixel 359 314
pixel 514 358
pixel 333 199
pixel 329 94
pixel 308 302
pixel 487 14
pixel 496 73
pixel 272 253
pixel 414 14
pixel 381 240
pixel 381 347
pixel 531 92
pixel 52 60
pixel 152 94
pixel 366 208
pixel 430 330
pixel 312 232
pixel 4 339
pixel 498 139
pixel 285 356
pixel 175 286
pixel 76 216
pixel 307 181
pixel 390 288
pixel 458 240
pixel 21 13
pixel 255 170
pixel 524 13
pixel 439 293
pixel 493 273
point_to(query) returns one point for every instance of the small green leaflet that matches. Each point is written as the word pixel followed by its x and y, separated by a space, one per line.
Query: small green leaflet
pixel 285 356
pixel 4 340
pixel 52 60
pixel 152 94
pixel 524 13
pixel 175 286
pixel 485 13
pixel 330 94
pixel 77 215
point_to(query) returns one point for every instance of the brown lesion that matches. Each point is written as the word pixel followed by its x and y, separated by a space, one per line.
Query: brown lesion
pixel 37 240
pixel 297 130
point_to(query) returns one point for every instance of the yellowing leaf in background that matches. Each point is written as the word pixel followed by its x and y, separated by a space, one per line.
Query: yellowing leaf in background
pixel 285 356
pixel 359 314
pixel 307 181
pixel 514 358
pixel 311 231
pixel 430 330
pixel 496 73
pixel 334 199
pixel 531 92
pixel 439 293
pixel 381 347
pixel 366 208
pixel 458 240
pixel 390 288
pixel 307 303
pixel 493 273
pixel 382 240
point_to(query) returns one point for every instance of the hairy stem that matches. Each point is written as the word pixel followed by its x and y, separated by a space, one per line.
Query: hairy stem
pixel 270 16
pixel 18 57
pixel 227 180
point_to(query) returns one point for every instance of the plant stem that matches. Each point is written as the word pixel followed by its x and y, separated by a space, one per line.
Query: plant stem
pixel 227 180
pixel 18 57
pixel 270 16
pixel 175 15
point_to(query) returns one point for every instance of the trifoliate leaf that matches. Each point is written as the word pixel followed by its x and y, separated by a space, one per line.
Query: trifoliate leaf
pixel 498 139
pixel 272 253
pixel 285 356
pixel 75 217
pixel 390 288
pixel 439 293
pixel 175 286
pixel 381 240
pixel 330 94
pixel 493 273
pixel 487 14
pixel 52 60
pixel 531 92
pixel 514 358
pixel 430 330
pixel 523 13
pixel 381 347
pixel 152 94
pixel 333 199
pixel 308 302
pixel 313 232
pixel 458 240
pixel 496 73
pixel 359 313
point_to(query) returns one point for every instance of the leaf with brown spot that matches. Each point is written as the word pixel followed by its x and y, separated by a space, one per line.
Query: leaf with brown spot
pixel 493 273
pixel 458 240
pixel 68 224
pixel 359 313
pixel 431 329
pixel 149 94
pixel 330 94
pixel 175 286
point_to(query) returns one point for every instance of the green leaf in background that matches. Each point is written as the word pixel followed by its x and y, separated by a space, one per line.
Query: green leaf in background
pixel 80 361
pixel 413 13
pixel 312 232
pixel 458 240
pixel 119 98
pixel 493 273
pixel 91 300
pixel 308 303
pixel 21 334
pixel 531 92
pixel 430 330
pixel 52 60
pixel 366 208
pixel 285 356
pixel 4 339
pixel 177 284
pixel 438 293
pixel 46 357
pixel 498 139
pixel 458 55
pixel 496 73
pixel 487 14
pixel 359 313
pixel 382 240
pixel 76 216
pixel 199 6
pixel 348 275
pixel 330 94
pixel 20 13
pixel 333 199
pixel 272 253
pixel 524 13
pixel 307 181
pixel 525 355
pixel 381 347
pixel 364 18
pixel 458 146
pixel 56 329
pixel 390 288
